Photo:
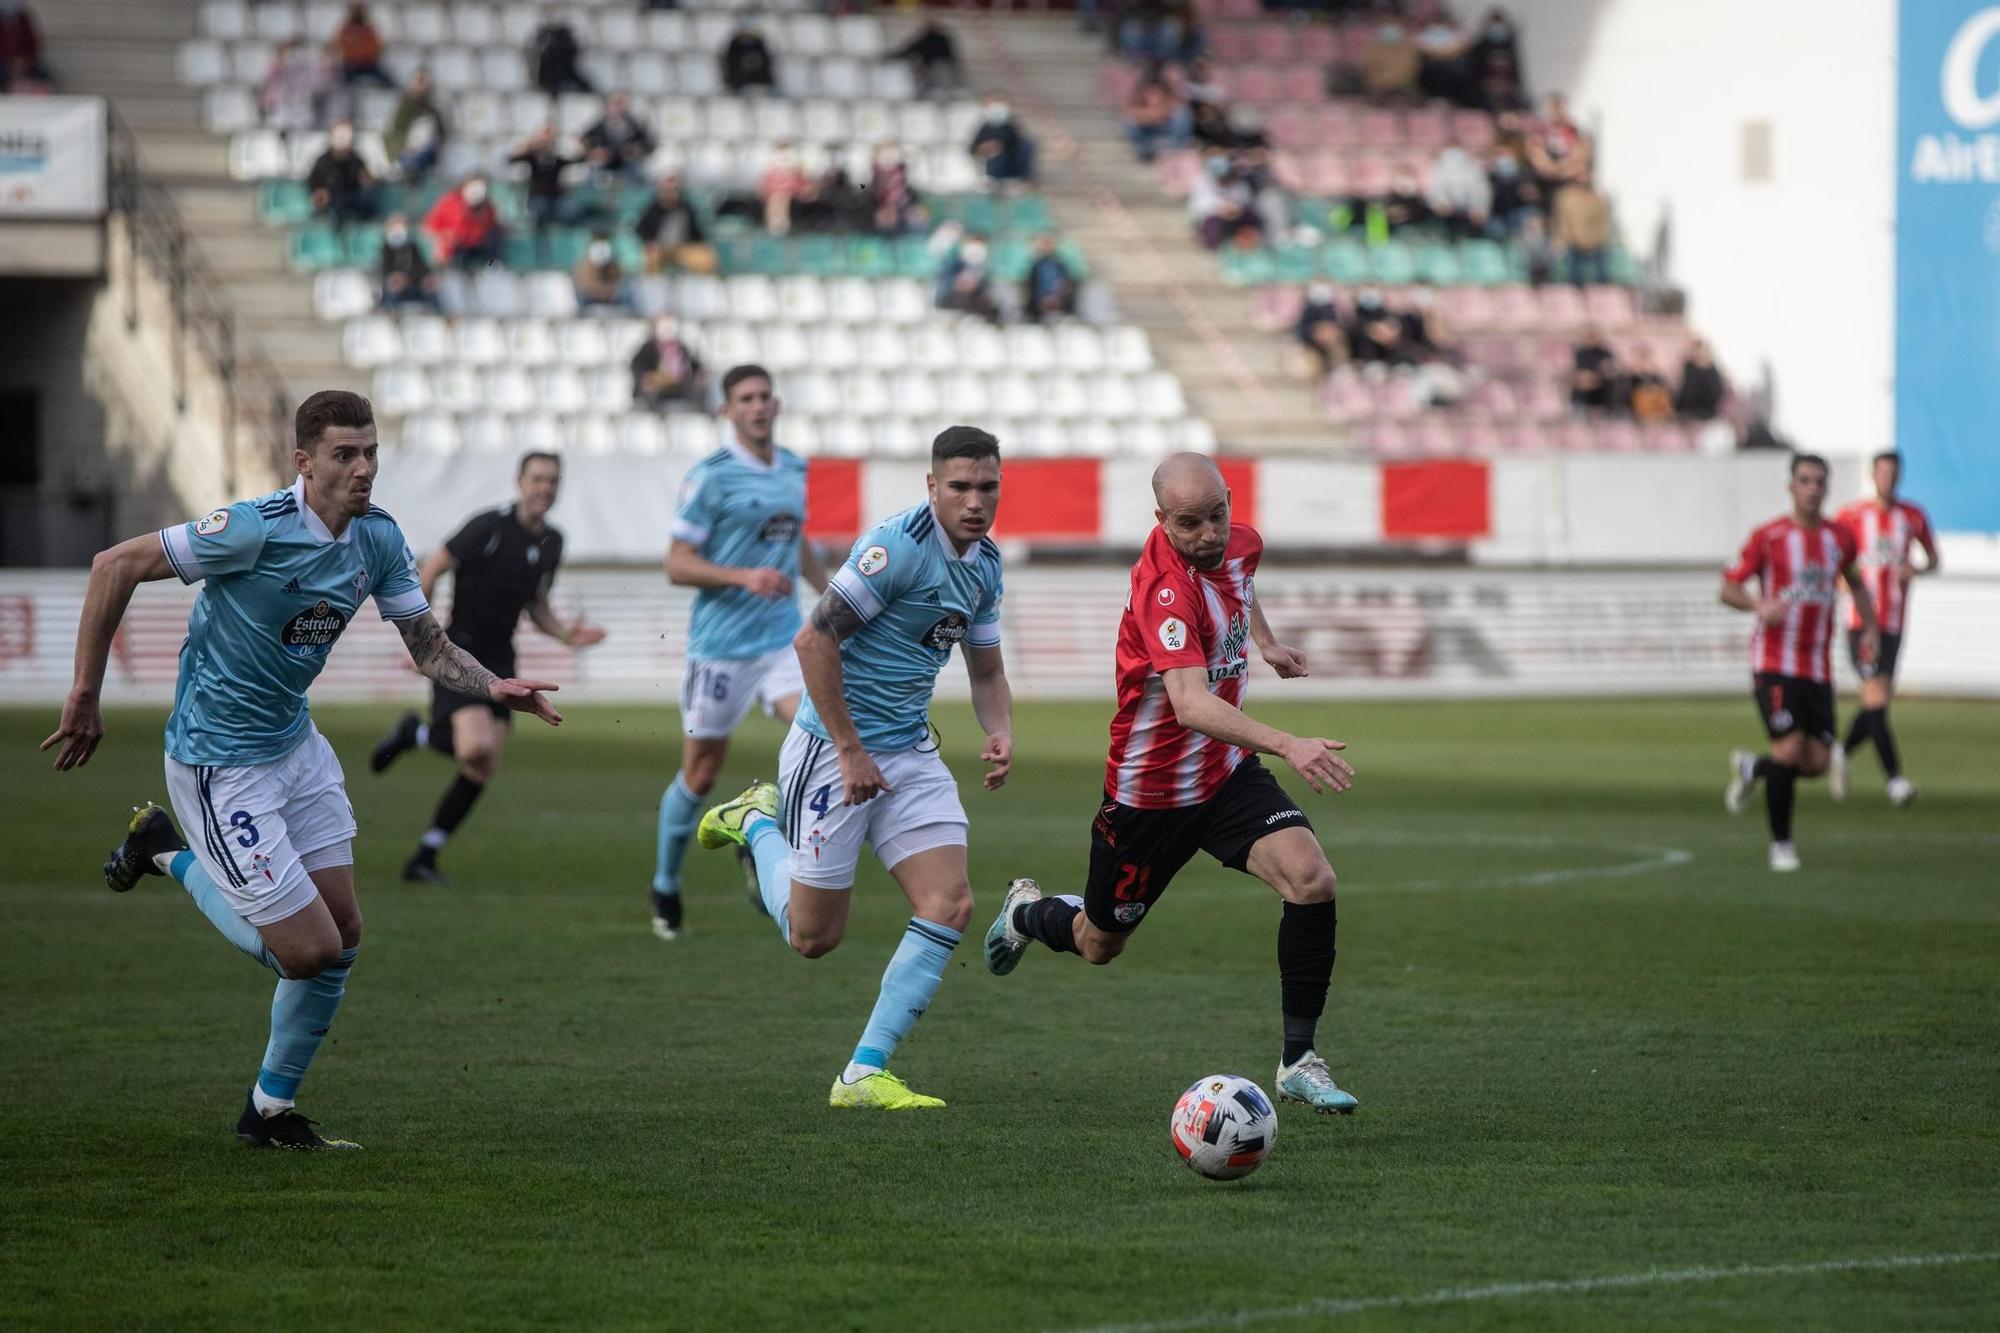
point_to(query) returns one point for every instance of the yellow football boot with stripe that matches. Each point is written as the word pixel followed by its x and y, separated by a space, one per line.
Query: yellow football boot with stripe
pixel 880 1091
pixel 723 824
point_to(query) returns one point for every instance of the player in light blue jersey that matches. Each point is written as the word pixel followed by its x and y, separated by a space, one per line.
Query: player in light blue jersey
pixel 859 765
pixel 273 868
pixel 739 541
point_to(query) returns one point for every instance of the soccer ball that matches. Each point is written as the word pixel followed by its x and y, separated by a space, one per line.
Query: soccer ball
pixel 1223 1127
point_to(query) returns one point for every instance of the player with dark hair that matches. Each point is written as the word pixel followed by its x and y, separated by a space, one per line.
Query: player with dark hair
pixel 1183 774
pixel 1798 561
pixel 860 766
pixel 1884 529
pixel 503 563
pixel 273 868
pixel 739 541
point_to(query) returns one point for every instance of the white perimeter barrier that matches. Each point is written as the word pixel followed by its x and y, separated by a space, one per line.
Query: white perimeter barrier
pixel 1388 633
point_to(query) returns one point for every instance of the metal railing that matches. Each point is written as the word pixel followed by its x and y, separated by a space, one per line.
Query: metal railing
pixel 204 322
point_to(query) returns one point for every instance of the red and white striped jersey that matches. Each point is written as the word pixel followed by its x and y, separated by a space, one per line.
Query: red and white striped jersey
pixel 1800 567
pixel 1883 535
pixel 1179 616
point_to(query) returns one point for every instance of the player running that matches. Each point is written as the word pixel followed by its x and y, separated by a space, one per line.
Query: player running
pixel 738 539
pixel 1183 774
pixel 274 872
pixel 1797 561
pixel 1884 529
pixel 503 562
pixel 860 766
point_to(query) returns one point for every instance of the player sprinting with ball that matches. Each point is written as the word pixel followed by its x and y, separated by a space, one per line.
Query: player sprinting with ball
pixel 1183 774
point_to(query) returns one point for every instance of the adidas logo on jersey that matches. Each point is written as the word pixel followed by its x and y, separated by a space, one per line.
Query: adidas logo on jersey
pixel 291 585
pixel 931 598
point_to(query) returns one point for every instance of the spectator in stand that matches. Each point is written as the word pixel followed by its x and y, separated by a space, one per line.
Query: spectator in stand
pixel 1531 241
pixel 1427 338
pixel 1702 386
pixel 293 87
pixel 1461 195
pixel 1645 392
pixel 406 275
pixel 782 184
pixel 1157 30
pixel 600 278
pixel 1494 64
pixel 1405 206
pixel 1580 230
pixel 464 227
pixel 1202 87
pixel 964 282
pixel 22 71
pixel 341 188
pixel 1558 151
pixel 746 62
pixel 1376 337
pixel 549 204
pixel 1049 291
pixel 1004 148
pixel 1391 65
pixel 672 232
pixel 1514 194
pixel 1319 331
pixel 933 57
pixel 1222 206
pixel 358 48
pixel 417 130
pixel 619 143
pixel 553 54
pixel 892 204
pixel 1155 116
pixel 1442 48
pixel 1593 375
pixel 665 371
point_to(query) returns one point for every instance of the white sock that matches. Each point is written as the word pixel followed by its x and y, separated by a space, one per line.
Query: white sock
pixel 267 1105
pixel 854 1073
pixel 1747 769
pixel 164 862
pixel 423 734
pixel 435 839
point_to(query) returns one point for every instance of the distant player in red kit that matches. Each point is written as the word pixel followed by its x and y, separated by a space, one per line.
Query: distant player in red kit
pixel 1798 561
pixel 1884 529
pixel 1183 774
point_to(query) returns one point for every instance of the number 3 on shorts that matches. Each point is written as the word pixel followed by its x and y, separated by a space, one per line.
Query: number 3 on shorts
pixel 249 837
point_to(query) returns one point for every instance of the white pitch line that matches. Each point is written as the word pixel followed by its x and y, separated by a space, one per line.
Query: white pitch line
pixel 1501 1291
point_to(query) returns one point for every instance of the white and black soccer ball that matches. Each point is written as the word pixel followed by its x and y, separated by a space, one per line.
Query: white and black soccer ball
pixel 1224 1127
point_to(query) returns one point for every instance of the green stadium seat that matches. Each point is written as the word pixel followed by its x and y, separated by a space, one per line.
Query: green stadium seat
pixel 818 256
pixel 1345 261
pixel 978 213
pixel 1298 263
pixel 1029 213
pixel 871 257
pixel 1439 264
pixel 316 247
pixel 1249 267
pixel 631 253
pixel 913 257
pixel 732 251
pixel 285 203
pixel 1394 264
pixel 364 245
pixel 1626 269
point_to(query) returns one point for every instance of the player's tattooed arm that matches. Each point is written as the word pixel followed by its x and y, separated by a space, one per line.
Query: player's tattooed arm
pixel 836 617
pixel 444 661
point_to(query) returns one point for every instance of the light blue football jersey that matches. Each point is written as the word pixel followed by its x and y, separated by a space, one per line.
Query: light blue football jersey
pixel 740 511
pixel 277 590
pixel 919 597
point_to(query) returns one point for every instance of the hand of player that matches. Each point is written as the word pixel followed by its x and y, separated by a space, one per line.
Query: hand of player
pixel 1771 611
pixel 82 728
pixel 1871 645
pixel 999 752
pixel 1289 663
pixel 767 583
pixel 860 779
pixel 1907 572
pixel 525 696
pixel 582 635
pixel 1313 758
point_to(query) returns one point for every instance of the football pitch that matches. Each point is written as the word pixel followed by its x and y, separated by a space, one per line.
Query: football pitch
pixel 1613 1073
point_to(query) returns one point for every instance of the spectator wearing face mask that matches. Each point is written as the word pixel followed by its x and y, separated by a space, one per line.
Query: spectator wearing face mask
pixel 747 65
pixel 1003 147
pixel 341 188
pixel 358 48
pixel 964 283
pixel 1702 385
pixel 1375 336
pixel 417 129
pixel 672 232
pixel 553 54
pixel 1155 117
pixel 933 57
pixel 782 185
pixel 892 203
pixel 1460 195
pixel 1580 229
pixel 1514 194
pixel 1645 392
pixel 600 278
pixel 619 143
pixel 464 227
pixel 293 87
pixel 1391 65
pixel 665 371
pixel 1405 205
pixel 1049 291
pixel 406 275
pixel 1558 151
pixel 549 204
pixel 22 69
pixel 1593 373
pixel 1319 331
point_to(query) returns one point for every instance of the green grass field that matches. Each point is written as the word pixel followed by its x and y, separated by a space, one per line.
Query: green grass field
pixel 1592 1035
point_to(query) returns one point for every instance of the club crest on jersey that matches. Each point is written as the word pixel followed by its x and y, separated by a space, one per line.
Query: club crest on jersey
pixel 262 865
pixel 1813 586
pixel 312 631
pixel 782 529
pixel 214 523
pixel 360 585
pixel 873 561
pixel 949 629
pixel 1128 913
pixel 1173 634
pixel 816 840
pixel 1166 597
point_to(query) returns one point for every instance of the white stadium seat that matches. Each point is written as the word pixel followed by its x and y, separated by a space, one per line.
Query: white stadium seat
pixel 370 342
pixel 225 20
pixel 277 23
pixel 228 108
pixel 342 294
pixel 202 62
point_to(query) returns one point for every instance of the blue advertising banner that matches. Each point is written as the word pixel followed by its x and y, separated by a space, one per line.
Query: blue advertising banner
pixel 1948 260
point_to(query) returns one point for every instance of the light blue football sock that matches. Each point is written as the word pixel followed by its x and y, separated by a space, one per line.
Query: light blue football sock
pixel 908 984
pixel 679 810
pixel 216 908
pixel 301 1013
pixel 773 856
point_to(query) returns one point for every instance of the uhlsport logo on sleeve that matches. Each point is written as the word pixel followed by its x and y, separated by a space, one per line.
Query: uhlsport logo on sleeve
pixel 1173 634
pixel 873 561
pixel 1166 597
pixel 214 523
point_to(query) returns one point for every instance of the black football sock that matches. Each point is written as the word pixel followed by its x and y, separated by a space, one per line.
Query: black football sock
pixel 1050 920
pixel 1767 768
pixel 1305 966
pixel 1780 789
pixel 451 812
pixel 1885 744
pixel 1858 735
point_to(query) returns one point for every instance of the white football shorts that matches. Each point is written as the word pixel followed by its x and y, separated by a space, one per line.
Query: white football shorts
pixel 260 829
pixel 921 811
pixel 716 694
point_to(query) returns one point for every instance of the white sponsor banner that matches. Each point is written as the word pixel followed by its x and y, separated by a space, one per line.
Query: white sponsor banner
pixel 52 157
pixel 1388 633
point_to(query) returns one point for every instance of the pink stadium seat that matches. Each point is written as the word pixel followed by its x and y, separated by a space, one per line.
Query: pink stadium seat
pixel 1524 438
pixel 1229 44
pixel 1388 440
pixel 1515 308
pixel 1620 437
pixel 1369 176
pixel 1257 84
pixel 1326 175
pixel 1345 399
pixel 1317 44
pixel 1277 307
pixel 1242 9
pixel 1396 399
pixel 1303 83
pixel 1435 438
pixel 1562 308
pixel 1292 128
pixel 1492 352
pixel 1467 308
pixel 1354 44
pixel 1115 80
pixel 1339 125
pixel 1177 170
pixel 1554 356
pixel 1381 129
pixel 1497 397
pixel 1546 399
pixel 1428 130
pixel 1576 437
pixel 1480 438
pixel 1611 308
pixel 1669 439
pixel 1272 42
pixel 1473 129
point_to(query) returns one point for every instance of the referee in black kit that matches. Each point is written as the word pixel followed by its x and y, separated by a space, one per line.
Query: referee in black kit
pixel 504 562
